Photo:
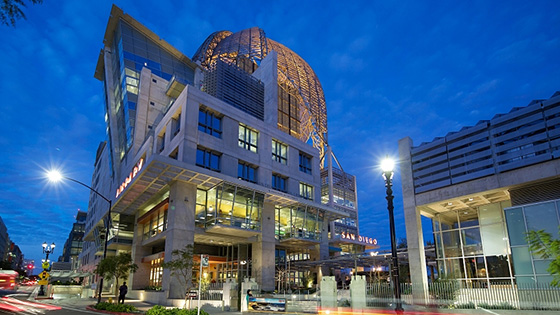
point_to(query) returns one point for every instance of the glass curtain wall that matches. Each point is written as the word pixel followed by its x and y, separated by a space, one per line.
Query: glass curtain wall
pixel 227 204
pixel 531 268
pixel 299 221
pixel 471 245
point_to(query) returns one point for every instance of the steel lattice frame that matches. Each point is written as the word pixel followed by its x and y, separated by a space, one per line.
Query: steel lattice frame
pixel 252 44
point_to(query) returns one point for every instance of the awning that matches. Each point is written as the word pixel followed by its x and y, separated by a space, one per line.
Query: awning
pixel 68 274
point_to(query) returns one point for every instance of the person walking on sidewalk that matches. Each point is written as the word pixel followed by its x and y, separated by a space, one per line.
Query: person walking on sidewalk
pixel 123 290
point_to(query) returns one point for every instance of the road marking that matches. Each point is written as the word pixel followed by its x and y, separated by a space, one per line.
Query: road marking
pixel 489 311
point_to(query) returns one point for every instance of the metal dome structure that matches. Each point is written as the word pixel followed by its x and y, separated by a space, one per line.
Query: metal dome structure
pixel 246 49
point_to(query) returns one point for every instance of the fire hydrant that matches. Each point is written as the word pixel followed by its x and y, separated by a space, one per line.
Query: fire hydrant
pixel 110 300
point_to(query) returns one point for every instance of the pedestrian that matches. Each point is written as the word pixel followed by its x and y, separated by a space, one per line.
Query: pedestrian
pixel 249 295
pixel 123 290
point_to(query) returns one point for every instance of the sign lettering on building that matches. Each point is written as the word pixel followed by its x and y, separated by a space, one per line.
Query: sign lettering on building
pixel 359 238
pixel 130 177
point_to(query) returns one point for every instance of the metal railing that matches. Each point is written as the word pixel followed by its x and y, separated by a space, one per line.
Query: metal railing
pixel 450 293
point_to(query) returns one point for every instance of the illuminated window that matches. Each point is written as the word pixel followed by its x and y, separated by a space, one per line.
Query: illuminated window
pixel 306 191
pixel 210 123
pixel 156 272
pixel 279 152
pixel 305 163
pixel 248 138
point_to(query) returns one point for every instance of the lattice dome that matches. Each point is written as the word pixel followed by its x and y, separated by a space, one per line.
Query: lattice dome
pixel 253 45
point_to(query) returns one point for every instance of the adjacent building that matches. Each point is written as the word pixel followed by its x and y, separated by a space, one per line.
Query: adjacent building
pixel 4 240
pixel 73 245
pixel 226 151
pixel 484 187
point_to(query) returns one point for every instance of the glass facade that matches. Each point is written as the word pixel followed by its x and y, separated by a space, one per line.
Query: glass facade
pixel 299 221
pixel 155 221
pixel 132 52
pixel 472 244
pixel 528 267
pixel 227 204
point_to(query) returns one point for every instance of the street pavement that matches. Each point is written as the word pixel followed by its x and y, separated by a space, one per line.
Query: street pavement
pixel 77 305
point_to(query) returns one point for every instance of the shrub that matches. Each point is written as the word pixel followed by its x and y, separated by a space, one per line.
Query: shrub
pixel 469 305
pixel 501 306
pixel 160 310
pixel 344 303
pixel 445 291
pixel 123 308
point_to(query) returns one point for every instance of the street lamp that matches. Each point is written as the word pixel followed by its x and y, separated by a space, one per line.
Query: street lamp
pixel 47 249
pixel 55 176
pixel 387 166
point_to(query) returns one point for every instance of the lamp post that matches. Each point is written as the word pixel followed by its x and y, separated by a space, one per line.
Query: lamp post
pixel 47 249
pixel 387 166
pixel 55 176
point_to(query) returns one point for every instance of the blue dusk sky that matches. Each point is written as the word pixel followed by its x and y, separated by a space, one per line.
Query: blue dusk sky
pixel 389 69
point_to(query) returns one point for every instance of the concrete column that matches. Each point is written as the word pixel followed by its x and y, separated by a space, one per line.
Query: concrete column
pixel 415 239
pixel 358 292
pixel 141 278
pixel 329 294
pixel 263 254
pixel 324 251
pixel 229 285
pixel 180 232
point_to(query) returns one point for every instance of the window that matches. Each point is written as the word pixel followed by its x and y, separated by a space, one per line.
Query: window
pixel 208 159
pixel 247 172
pixel 248 138
pixel 279 152
pixel 176 122
pixel 278 182
pixel 304 163
pixel 306 191
pixel 210 123
pixel 161 143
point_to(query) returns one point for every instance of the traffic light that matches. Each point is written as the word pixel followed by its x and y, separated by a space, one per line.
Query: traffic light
pixel 30 266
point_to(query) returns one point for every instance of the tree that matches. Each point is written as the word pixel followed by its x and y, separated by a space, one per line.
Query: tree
pixel 118 267
pixel 181 266
pixel 402 243
pixel 11 10
pixel 542 244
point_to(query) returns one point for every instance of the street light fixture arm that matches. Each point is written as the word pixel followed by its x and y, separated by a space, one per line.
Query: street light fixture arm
pixel 86 186
pixel 56 176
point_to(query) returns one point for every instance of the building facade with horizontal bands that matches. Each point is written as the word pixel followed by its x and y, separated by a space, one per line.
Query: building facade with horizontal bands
pixel 485 187
pixel 227 153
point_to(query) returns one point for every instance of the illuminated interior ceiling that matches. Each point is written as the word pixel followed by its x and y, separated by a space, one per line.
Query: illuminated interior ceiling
pixel 253 45
pixel 464 202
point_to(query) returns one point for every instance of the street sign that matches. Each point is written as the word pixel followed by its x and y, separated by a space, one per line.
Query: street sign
pixel 43 282
pixel 45 265
pixel 44 275
pixel 204 260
